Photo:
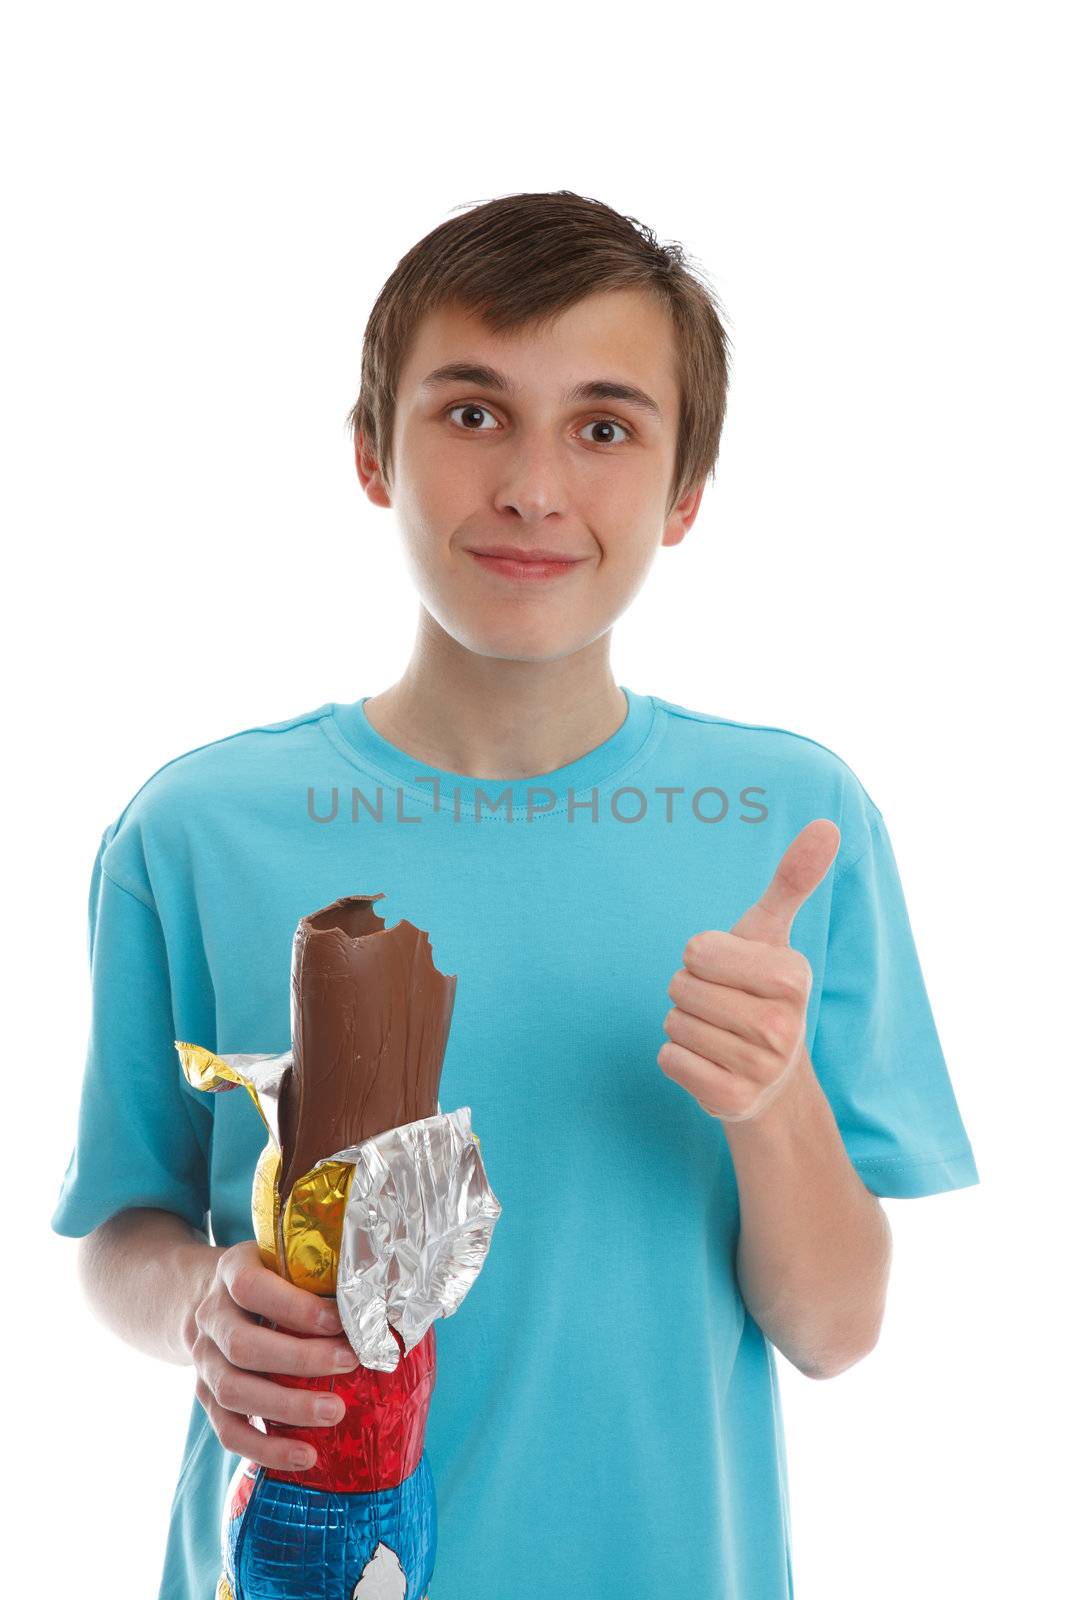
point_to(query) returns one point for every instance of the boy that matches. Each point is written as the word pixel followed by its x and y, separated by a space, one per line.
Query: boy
pixel 543 392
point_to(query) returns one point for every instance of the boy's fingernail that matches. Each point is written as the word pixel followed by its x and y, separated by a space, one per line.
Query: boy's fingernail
pixel 329 1319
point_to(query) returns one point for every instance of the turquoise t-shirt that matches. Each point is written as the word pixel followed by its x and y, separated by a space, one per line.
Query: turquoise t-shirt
pixel 606 1416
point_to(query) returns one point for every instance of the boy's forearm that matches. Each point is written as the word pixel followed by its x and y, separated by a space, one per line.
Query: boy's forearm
pixel 815 1247
pixel 144 1273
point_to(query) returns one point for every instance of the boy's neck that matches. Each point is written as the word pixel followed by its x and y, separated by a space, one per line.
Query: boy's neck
pixel 498 719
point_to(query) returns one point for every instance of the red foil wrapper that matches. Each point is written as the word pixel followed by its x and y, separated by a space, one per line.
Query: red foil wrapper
pixel 379 1440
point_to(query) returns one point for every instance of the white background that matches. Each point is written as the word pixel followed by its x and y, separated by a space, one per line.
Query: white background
pixel 202 204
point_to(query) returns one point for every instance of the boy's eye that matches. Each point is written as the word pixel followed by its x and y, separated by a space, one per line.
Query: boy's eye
pixel 607 422
pixel 479 412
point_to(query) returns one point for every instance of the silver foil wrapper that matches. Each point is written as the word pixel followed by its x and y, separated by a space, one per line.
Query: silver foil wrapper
pixel 417 1227
pixel 267 1074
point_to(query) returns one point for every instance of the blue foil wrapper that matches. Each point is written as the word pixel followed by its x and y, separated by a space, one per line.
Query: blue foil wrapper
pixel 377 1546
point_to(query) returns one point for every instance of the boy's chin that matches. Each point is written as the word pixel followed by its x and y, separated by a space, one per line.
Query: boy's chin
pixel 505 650
pixel 519 644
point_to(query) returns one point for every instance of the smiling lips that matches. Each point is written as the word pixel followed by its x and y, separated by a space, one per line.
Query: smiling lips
pixel 511 552
pixel 525 565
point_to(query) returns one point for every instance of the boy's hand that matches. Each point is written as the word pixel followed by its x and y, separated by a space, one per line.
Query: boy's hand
pixel 741 999
pixel 231 1352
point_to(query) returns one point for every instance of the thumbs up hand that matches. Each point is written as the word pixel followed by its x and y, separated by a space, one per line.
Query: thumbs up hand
pixel 737 1027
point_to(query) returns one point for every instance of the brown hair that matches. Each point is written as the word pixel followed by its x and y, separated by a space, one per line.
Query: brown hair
pixel 519 261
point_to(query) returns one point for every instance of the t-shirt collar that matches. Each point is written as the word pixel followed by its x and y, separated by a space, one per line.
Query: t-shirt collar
pixel 355 735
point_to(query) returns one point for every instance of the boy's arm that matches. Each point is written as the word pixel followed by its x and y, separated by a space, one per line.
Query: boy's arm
pixel 815 1245
pixel 144 1273
pixel 814 1255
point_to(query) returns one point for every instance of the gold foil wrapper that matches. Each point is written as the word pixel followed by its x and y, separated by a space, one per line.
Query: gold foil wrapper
pixel 303 1243
pixel 262 1076
pixel 312 1225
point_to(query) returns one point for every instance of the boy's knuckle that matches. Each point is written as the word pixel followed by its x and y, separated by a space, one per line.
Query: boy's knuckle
pixel 240 1352
pixel 777 1026
pixel 701 946
pixel 226 1391
pixel 677 986
pixel 242 1281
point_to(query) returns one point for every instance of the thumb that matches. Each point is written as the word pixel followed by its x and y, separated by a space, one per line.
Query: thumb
pixel 800 871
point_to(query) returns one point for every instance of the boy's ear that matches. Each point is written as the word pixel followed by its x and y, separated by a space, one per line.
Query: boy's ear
pixel 370 474
pixel 683 516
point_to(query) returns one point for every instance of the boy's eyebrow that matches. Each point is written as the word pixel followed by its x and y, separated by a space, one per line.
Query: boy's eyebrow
pixel 489 378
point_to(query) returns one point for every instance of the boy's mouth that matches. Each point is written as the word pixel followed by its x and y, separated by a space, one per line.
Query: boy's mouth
pixel 525 565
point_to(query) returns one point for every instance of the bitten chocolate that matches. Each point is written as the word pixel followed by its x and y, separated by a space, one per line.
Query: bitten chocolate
pixel 370 1021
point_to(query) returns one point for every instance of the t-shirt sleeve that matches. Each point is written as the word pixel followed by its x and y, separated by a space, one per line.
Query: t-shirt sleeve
pixel 875 1049
pixel 140 1141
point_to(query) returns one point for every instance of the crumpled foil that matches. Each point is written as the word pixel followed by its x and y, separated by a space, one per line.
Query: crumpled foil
pixel 262 1075
pixel 417 1227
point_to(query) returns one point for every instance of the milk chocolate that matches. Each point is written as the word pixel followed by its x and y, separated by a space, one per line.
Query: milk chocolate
pixel 370 1019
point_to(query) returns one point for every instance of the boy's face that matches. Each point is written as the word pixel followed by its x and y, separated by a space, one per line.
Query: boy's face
pixel 586 478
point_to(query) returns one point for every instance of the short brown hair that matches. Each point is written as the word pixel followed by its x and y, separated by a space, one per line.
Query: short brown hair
pixel 520 260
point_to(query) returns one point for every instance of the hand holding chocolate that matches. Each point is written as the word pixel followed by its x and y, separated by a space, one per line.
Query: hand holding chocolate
pixel 365 1191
